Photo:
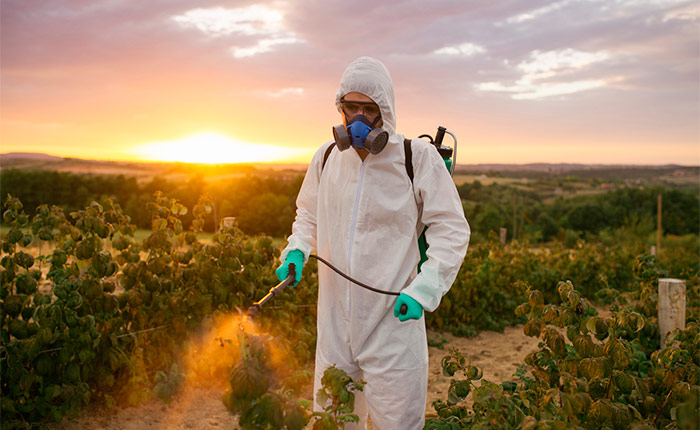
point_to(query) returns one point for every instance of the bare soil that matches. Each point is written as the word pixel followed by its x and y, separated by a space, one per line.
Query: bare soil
pixel 201 408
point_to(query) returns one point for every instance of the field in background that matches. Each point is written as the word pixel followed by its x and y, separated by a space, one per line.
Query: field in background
pixel 143 172
pixel 465 173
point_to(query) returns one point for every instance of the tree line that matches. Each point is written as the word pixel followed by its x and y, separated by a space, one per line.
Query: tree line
pixel 261 203
pixel 265 203
pixel 626 211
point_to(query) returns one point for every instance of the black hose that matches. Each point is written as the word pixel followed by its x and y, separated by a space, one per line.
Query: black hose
pixel 428 136
pixel 388 293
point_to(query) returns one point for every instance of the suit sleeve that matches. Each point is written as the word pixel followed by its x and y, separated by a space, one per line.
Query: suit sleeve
pixel 448 230
pixel 303 235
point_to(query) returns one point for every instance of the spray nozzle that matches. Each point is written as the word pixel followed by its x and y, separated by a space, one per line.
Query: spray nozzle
pixel 253 311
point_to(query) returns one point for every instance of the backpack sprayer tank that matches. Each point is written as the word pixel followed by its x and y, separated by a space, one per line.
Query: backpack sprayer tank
pixel 450 158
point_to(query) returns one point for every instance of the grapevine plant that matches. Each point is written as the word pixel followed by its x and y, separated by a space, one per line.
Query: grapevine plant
pixel 256 393
pixel 337 393
pixel 90 314
pixel 590 372
pixel 487 289
pixel 265 396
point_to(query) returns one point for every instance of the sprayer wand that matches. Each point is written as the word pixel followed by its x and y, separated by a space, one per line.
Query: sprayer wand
pixel 255 307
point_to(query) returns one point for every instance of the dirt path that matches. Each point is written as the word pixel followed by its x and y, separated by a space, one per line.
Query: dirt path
pixel 194 408
pixel 499 355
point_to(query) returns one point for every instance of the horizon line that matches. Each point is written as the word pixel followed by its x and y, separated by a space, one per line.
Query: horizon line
pixel 42 156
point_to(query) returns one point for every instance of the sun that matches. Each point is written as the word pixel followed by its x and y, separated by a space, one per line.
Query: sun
pixel 213 148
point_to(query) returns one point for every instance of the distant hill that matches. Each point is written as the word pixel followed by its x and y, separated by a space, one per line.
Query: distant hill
pixel 143 171
pixel 29 156
pixel 559 167
pixel 628 173
pixel 175 170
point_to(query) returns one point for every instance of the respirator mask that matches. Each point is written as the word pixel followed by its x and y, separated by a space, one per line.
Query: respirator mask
pixel 360 132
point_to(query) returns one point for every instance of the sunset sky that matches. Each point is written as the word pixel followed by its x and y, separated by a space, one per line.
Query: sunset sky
pixel 517 81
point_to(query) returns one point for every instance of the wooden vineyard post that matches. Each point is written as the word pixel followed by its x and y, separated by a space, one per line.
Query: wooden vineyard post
pixel 227 222
pixel 503 233
pixel 671 306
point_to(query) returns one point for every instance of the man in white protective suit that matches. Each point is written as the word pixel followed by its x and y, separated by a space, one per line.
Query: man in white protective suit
pixel 359 209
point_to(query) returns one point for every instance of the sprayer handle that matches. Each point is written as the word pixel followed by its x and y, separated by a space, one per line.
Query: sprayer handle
pixel 439 136
pixel 292 272
pixel 403 309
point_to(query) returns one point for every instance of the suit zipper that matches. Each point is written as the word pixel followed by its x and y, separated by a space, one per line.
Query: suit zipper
pixel 354 216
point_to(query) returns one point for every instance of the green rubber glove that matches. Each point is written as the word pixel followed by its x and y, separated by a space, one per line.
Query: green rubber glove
pixel 294 256
pixel 414 309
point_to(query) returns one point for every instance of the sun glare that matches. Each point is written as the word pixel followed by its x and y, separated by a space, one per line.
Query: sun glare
pixel 213 148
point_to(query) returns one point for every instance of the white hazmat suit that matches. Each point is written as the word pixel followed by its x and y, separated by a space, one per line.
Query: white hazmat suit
pixel 365 217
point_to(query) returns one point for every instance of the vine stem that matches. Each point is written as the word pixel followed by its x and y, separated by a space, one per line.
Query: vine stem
pixel 143 331
pixel 335 412
pixel 50 350
pixel 607 394
pixel 121 335
pixel 662 406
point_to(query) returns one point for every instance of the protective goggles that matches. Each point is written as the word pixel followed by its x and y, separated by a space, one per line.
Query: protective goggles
pixel 351 108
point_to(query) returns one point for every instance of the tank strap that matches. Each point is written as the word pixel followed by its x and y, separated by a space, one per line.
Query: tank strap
pixel 408 153
pixel 326 154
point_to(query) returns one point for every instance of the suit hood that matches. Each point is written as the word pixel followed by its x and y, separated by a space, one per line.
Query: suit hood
pixel 370 77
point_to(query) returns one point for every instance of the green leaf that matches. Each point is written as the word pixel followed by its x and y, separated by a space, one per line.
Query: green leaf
pixel 533 327
pixel 535 299
pixel 569 404
pixel 458 390
pixel 555 341
pixel 592 368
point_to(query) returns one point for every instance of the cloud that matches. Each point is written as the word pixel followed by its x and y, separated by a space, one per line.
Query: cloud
pixel 533 14
pixel 256 21
pixel 654 4
pixel 542 72
pixel 548 64
pixel 262 46
pixel 687 13
pixel 464 50
pixel 286 92
pixel 527 90
pixel 250 21
pixel 602 5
